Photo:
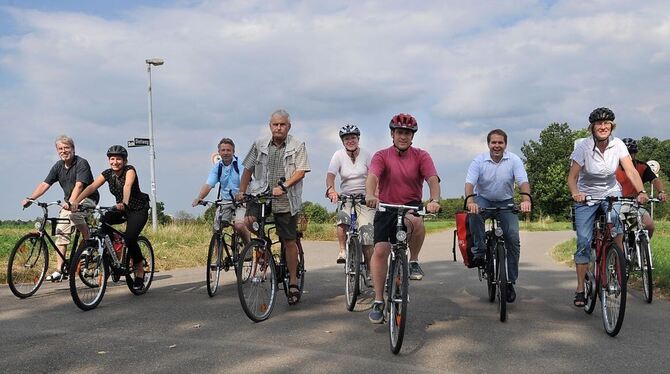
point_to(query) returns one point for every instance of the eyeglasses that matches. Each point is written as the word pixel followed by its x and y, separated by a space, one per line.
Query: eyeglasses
pixel 280 124
pixel 603 123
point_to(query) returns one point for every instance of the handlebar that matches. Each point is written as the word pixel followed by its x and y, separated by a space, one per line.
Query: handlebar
pixel 42 205
pixel 359 198
pixel 465 201
pixel 419 210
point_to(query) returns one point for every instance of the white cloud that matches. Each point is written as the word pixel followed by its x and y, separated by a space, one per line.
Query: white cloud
pixel 462 69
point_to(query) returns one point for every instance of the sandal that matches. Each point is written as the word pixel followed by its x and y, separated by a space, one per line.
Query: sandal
pixel 580 299
pixel 294 293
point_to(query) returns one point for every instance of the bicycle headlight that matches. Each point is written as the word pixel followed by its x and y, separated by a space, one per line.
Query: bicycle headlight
pixel 499 232
pixel 401 235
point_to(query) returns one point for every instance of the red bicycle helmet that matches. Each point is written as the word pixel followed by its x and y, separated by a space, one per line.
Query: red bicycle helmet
pixel 404 121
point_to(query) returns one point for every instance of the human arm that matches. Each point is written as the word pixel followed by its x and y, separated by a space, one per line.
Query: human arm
pixel 371 184
pixel 331 193
pixel 658 186
pixel 131 175
pixel 469 198
pixel 297 176
pixel 573 175
pixel 525 199
pixel 244 182
pixel 634 177
pixel 99 181
pixel 433 205
pixel 76 191
pixel 204 191
pixel 39 191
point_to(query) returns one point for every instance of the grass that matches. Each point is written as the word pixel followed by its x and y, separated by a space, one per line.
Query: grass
pixel 660 245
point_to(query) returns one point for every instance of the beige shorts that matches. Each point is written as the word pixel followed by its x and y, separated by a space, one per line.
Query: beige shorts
pixel 225 213
pixel 64 230
pixel 365 217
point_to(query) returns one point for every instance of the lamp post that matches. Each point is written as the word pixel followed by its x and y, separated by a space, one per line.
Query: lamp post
pixel 152 151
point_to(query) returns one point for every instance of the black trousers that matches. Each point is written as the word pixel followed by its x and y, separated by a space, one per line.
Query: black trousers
pixel 135 221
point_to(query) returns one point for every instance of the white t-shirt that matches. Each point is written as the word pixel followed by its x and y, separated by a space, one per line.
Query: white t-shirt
pixel 598 175
pixel 352 175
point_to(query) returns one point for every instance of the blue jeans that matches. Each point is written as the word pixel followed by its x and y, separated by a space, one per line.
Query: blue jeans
pixel 510 226
pixel 584 217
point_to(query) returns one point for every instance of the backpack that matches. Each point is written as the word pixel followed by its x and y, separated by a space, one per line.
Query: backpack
pixel 465 241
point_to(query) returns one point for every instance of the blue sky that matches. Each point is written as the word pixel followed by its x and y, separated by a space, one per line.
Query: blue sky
pixel 462 68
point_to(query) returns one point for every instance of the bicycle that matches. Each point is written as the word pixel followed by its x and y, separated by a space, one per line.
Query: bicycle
pixel 100 257
pixel 29 259
pixel 397 279
pixel 637 245
pixel 355 267
pixel 260 270
pixel 216 261
pixel 606 276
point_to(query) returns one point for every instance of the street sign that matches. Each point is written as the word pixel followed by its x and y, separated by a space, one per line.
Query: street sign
pixel 654 165
pixel 139 142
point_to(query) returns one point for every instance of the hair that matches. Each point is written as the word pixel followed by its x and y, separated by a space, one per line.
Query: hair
pixel 65 139
pixel 226 141
pixel 496 132
pixel 281 113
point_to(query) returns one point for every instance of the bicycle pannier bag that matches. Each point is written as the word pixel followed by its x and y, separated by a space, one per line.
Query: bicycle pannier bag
pixel 465 241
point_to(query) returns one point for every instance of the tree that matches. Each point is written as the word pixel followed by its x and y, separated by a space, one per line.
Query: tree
pixel 654 149
pixel 163 218
pixel 547 164
pixel 182 216
pixel 315 212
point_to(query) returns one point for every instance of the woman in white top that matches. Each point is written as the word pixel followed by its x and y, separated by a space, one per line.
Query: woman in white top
pixel 351 163
pixel 593 173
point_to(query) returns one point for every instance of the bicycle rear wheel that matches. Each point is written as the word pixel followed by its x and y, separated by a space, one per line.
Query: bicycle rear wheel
pixel 501 261
pixel 214 264
pixel 88 278
pixel 147 252
pixel 27 266
pixel 645 268
pixel 257 281
pixel 613 294
pixel 397 301
pixel 352 272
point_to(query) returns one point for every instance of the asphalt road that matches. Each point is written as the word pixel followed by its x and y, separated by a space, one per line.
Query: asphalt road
pixel 452 327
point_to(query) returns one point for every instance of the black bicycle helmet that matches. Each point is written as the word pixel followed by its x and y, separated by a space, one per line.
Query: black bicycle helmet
pixel 631 144
pixel 117 150
pixel 601 114
pixel 349 130
pixel 404 121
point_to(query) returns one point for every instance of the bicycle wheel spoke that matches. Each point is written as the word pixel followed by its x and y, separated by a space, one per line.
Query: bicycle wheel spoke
pixel 88 278
pixel 614 292
pixel 256 281
pixel 27 265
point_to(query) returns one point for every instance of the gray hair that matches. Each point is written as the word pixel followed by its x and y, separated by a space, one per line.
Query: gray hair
pixel 281 113
pixel 64 139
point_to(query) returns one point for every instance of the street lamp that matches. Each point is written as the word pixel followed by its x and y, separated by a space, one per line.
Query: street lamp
pixel 152 152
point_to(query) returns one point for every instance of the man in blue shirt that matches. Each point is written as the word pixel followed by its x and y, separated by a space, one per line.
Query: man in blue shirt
pixel 227 173
pixel 490 183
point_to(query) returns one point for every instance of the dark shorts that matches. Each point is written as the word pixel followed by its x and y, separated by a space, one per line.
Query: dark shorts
pixel 385 224
pixel 287 225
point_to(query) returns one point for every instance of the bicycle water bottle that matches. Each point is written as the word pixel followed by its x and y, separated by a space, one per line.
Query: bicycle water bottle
pixel 117 243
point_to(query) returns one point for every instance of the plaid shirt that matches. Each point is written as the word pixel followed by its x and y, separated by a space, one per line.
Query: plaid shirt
pixel 276 172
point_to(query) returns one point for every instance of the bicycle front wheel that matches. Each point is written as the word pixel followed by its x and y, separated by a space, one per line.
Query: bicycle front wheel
pixel 257 281
pixel 147 252
pixel 490 272
pixel 501 261
pixel 397 301
pixel 645 268
pixel 352 272
pixel 613 293
pixel 88 277
pixel 214 264
pixel 27 266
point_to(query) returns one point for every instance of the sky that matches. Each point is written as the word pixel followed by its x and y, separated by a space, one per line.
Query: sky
pixel 461 68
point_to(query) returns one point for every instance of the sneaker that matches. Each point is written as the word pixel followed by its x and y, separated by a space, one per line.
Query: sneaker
pixel 511 294
pixel 477 261
pixel 56 276
pixel 340 258
pixel 138 283
pixel 376 315
pixel 415 272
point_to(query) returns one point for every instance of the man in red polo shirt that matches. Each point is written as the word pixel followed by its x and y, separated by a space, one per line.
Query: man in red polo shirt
pixel 647 175
pixel 399 171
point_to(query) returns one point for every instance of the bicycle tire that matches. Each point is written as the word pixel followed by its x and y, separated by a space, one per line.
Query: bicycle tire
pixel 502 281
pixel 27 265
pixel 88 279
pixel 214 264
pixel 257 281
pixel 397 301
pixel 352 272
pixel 613 295
pixel 646 270
pixel 147 252
pixel 490 272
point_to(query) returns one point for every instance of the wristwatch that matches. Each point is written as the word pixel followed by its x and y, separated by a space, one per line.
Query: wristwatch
pixel 641 192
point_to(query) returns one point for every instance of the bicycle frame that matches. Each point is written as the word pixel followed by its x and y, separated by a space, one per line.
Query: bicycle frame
pixel 634 229
pixel 602 238
pixel 42 231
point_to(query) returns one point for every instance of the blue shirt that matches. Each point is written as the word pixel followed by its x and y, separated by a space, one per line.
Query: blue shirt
pixel 494 181
pixel 229 178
